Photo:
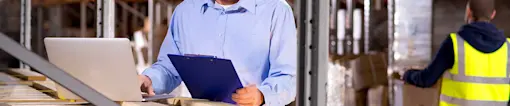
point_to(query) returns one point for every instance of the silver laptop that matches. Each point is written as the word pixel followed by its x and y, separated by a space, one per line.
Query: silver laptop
pixel 105 64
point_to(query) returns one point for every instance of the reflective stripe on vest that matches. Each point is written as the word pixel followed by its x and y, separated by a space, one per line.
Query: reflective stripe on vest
pixel 462 77
pixel 462 102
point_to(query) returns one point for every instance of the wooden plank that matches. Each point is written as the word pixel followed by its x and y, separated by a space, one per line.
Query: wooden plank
pixel 175 101
pixel 9 80
pixel 50 86
pixel 47 85
pixel 26 74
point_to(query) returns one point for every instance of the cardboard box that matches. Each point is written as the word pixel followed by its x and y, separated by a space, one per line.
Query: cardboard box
pixel 409 95
pixel 355 97
pixel 378 96
pixel 369 71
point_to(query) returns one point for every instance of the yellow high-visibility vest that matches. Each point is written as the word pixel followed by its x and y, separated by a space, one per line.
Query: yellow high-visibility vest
pixel 476 78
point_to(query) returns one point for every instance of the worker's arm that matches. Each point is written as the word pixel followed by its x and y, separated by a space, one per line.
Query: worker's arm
pixel 443 61
pixel 163 75
pixel 279 88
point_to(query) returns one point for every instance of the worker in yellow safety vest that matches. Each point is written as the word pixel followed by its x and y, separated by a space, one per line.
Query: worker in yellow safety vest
pixel 473 62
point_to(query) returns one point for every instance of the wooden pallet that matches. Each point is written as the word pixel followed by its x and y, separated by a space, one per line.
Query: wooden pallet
pixel 23 93
pixel 15 93
pixel 33 79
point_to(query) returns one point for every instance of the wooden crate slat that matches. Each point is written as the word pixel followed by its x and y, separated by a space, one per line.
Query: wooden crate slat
pixel 26 74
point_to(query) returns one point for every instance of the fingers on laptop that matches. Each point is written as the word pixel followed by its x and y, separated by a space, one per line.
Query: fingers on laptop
pixel 146 85
pixel 150 91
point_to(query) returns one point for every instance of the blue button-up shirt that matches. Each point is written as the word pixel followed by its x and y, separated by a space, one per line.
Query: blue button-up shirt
pixel 259 36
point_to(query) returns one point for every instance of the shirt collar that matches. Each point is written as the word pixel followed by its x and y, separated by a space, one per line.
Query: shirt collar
pixel 247 4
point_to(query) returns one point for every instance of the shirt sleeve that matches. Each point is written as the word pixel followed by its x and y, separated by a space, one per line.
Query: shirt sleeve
pixel 163 75
pixel 443 61
pixel 279 88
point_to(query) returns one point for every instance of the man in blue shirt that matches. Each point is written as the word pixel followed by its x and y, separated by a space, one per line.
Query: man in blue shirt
pixel 259 36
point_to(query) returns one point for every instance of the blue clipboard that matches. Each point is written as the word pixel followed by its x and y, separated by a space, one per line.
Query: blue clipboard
pixel 207 77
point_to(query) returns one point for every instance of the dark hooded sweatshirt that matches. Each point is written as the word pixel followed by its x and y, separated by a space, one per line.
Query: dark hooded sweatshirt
pixel 483 36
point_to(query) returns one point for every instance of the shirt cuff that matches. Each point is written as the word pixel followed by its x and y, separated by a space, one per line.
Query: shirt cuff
pixel 270 98
pixel 406 76
pixel 155 77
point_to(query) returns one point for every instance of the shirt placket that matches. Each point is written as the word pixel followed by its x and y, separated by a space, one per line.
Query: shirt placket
pixel 222 28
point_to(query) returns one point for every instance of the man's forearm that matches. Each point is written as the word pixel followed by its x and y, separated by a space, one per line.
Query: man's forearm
pixel 443 61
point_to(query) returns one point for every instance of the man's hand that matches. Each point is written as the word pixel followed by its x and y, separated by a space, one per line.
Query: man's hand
pixel 248 96
pixel 399 74
pixel 146 85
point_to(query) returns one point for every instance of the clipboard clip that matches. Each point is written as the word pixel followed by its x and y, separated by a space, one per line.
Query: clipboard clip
pixel 199 55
